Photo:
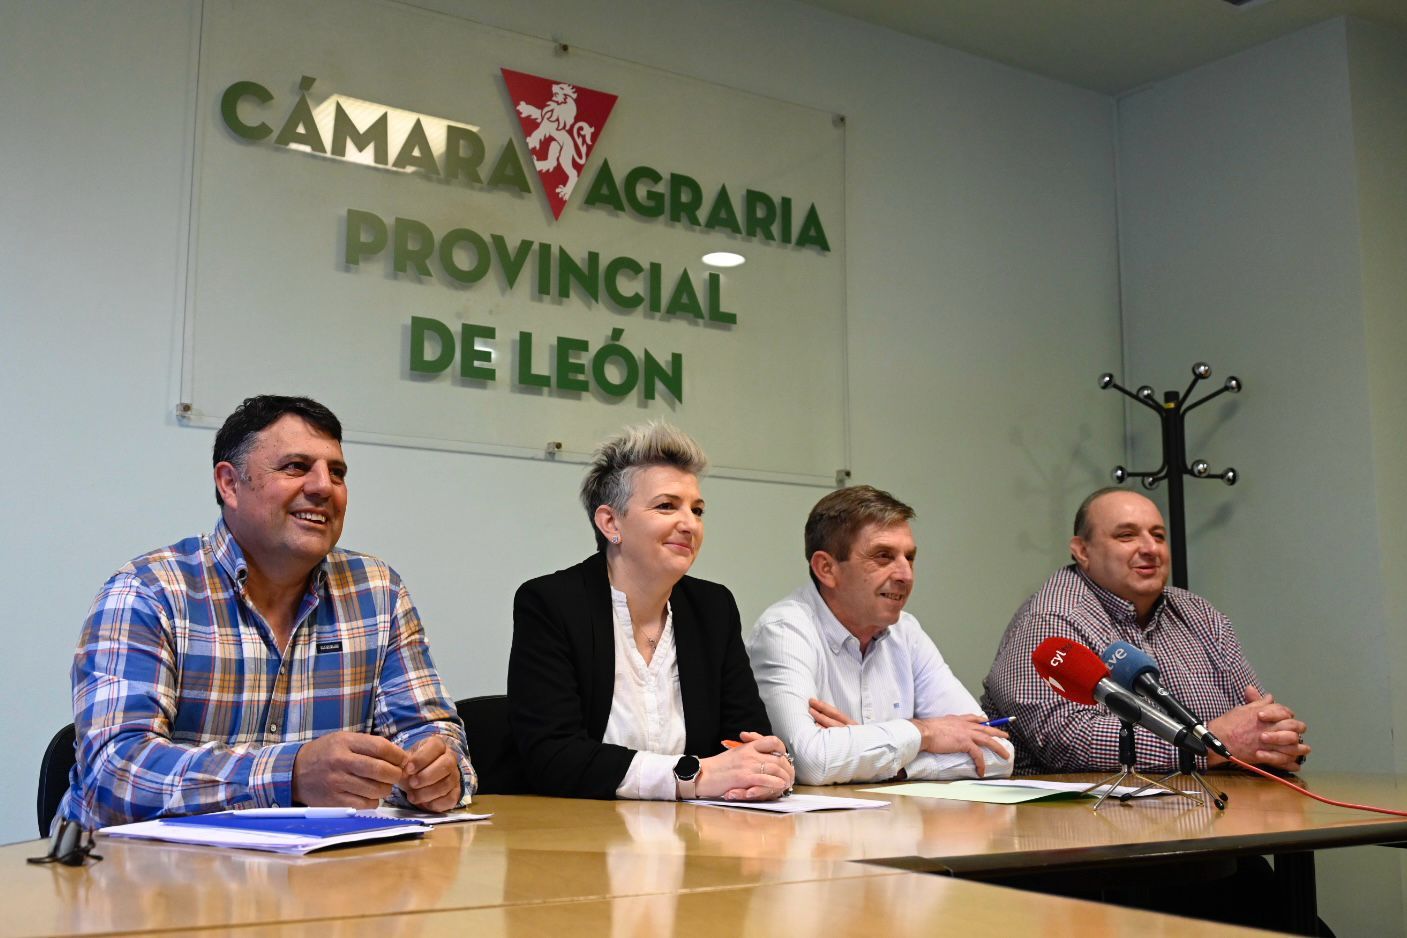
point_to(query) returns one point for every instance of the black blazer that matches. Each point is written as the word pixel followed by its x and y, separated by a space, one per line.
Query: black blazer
pixel 561 677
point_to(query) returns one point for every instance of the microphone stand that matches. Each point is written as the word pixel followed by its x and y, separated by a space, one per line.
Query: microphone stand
pixel 1187 765
pixel 1128 760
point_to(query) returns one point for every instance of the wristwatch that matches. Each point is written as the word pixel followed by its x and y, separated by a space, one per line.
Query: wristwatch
pixel 686 770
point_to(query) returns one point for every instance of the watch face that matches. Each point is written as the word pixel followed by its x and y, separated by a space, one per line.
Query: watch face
pixel 686 768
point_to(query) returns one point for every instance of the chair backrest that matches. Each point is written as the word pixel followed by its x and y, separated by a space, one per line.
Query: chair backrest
pixel 491 746
pixel 53 776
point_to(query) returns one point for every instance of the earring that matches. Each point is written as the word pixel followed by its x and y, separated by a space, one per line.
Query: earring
pixel 616 539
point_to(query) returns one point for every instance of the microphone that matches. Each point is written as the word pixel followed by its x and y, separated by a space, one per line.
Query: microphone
pixel 1134 668
pixel 1076 673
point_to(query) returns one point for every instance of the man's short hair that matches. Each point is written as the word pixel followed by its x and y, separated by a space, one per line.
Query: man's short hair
pixel 838 518
pixel 611 478
pixel 236 436
pixel 1082 513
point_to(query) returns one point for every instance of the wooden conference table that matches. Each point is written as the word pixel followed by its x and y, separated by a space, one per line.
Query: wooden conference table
pixel 563 866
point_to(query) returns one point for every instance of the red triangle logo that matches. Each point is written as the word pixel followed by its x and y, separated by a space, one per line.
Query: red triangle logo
pixel 561 124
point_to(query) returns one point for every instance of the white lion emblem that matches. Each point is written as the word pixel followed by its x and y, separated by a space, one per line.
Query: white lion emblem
pixel 569 137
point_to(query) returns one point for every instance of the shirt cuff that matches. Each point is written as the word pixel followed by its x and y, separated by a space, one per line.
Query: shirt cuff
pixel 468 780
pixel 907 738
pixel 843 755
pixel 946 766
pixel 271 776
pixel 649 778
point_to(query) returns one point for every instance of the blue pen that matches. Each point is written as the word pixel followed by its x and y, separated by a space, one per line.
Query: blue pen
pixel 999 721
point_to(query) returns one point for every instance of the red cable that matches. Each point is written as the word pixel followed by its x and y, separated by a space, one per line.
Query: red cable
pixel 1338 804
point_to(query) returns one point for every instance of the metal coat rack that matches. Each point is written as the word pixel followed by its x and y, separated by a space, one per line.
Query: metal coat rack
pixel 1171 413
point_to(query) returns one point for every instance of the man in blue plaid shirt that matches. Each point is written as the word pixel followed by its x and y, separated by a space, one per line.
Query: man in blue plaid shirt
pixel 258 665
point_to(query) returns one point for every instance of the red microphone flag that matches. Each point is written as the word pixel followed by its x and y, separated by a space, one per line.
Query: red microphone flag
pixel 1070 668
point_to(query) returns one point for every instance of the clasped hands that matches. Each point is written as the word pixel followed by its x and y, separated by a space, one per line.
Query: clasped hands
pixel 757 770
pixel 357 770
pixel 1261 731
pixel 961 732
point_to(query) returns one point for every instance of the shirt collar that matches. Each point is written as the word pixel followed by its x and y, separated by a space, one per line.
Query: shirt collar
pixel 833 632
pixel 620 607
pixel 230 556
pixel 227 552
pixel 1121 610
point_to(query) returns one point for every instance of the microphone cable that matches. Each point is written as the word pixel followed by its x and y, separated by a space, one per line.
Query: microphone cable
pixel 1304 791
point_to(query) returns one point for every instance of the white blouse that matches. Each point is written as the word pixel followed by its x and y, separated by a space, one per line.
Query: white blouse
pixel 647 708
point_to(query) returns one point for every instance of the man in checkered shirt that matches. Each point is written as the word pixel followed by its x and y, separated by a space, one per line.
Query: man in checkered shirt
pixel 260 666
pixel 1116 590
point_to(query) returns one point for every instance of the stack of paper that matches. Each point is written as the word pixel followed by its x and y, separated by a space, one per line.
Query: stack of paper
pixel 290 833
pixel 797 804
pixel 1013 790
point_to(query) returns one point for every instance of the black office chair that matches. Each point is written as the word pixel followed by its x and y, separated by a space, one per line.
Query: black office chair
pixel 491 747
pixel 53 776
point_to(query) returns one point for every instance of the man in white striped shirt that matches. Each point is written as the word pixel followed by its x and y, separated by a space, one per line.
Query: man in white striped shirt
pixel 852 684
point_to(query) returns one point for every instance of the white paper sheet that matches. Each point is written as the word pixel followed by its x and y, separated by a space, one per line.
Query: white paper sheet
pixel 798 804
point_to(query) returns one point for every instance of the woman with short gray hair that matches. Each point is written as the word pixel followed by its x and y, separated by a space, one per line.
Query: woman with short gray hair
pixel 627 676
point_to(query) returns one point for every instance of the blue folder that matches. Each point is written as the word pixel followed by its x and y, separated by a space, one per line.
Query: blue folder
pixel 291 824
